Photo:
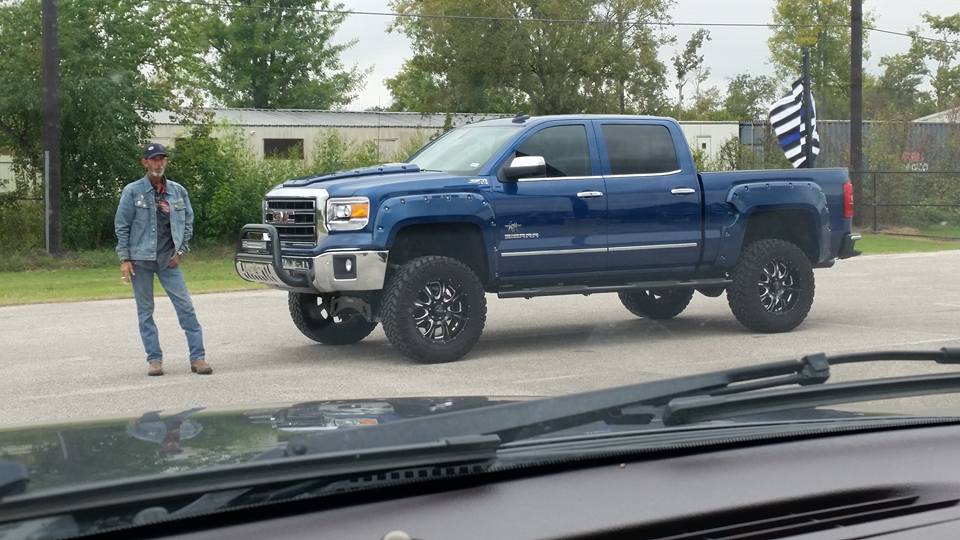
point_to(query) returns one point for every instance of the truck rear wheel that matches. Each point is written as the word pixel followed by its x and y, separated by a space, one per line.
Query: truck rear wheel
pixel 311 316
pixel 773 286
pixel 434 309
pixel 657 303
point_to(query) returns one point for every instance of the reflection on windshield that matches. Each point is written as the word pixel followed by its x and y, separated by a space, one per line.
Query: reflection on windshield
pixel 464 150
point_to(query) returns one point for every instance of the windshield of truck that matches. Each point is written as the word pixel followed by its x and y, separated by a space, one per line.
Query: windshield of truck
pixel 465 150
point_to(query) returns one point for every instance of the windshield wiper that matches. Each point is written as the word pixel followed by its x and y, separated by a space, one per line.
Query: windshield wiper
pixel 523 420
pixel 688 410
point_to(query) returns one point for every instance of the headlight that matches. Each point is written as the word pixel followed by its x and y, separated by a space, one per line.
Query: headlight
pixel 350 214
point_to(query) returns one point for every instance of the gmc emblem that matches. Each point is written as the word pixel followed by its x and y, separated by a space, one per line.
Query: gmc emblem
pixel 283 217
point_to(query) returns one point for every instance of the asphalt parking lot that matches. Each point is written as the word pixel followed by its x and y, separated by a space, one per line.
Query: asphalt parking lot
pixel 85 360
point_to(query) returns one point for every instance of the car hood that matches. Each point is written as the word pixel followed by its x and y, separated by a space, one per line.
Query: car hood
pixel 69 454
pixel 397 179
pixel 60 455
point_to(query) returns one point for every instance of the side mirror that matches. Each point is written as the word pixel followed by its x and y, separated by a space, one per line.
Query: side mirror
pixel 525 166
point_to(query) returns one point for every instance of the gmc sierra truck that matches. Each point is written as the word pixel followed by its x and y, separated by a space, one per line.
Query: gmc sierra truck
pixel 541 206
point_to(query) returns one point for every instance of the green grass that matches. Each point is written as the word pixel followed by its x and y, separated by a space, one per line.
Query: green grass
pixel 943 231
pixel 29 278
pixel 96 276
pixel 875 244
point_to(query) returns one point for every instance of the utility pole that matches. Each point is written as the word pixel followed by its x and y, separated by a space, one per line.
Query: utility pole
pixel 807 112
pixel 621 82
pixel 856 100
pixel 51 130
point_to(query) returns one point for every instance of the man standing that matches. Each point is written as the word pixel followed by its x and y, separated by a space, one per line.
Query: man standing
pixel 154 224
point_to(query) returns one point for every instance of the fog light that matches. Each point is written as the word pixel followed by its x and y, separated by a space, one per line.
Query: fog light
pixel 344 267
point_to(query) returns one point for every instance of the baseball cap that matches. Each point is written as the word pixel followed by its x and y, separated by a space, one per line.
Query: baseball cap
pixel 154 150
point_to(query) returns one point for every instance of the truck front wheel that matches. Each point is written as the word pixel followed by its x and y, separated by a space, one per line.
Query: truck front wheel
pixel 311 316
pixel 657 303
pixel 773 286
pixel 434 309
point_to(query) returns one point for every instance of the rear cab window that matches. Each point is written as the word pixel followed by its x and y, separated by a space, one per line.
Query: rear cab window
pixel 634 149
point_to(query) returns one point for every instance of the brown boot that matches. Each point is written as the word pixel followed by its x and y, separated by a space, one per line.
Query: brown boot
pixel 201 367
pixel 155 369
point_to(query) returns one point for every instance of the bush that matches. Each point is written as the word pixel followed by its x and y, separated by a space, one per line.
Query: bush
pixel 227 183
pixel 334 153
pixel 21 224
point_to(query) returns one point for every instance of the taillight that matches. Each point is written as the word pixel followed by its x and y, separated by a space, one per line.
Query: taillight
pixel 848 201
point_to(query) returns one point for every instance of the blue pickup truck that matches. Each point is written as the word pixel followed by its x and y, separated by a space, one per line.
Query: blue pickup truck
pixel 541 206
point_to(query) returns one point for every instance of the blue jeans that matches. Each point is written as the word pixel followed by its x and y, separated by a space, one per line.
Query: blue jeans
pixel 176 287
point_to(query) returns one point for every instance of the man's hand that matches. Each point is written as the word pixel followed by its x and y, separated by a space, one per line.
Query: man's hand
pixel 174 262
pixel 126 270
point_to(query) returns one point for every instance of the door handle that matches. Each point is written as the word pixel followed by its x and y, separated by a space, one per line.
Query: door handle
pixel 590 194
pixel 683 191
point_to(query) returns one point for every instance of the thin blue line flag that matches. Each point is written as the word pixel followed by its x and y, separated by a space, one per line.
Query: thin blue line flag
pixel 787 118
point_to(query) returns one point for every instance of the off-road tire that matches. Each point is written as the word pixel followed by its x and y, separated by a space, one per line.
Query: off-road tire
pixel 657 304
pixel 747 294
pixel 402 309
pixel 311 319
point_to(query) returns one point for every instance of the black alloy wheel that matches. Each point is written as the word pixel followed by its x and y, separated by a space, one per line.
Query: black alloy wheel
pixel 440 311
pixel 778 286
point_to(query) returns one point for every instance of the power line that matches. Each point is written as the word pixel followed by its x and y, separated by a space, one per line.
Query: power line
pixel 490 18
pixel 917 36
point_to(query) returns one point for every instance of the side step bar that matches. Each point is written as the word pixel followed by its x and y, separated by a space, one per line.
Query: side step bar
pixel 595 289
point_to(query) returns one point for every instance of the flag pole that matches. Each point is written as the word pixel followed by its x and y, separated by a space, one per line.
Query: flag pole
pixel 807 112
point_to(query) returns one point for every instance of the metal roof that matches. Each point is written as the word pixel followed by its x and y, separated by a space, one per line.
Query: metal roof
pixel 315 118
pixel 949 115
pixel 370 119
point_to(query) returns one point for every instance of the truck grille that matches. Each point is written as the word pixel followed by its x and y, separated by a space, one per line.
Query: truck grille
pixel 296 220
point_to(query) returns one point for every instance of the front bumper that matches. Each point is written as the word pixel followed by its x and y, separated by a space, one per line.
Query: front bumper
pixel 847 246
pixel 259 259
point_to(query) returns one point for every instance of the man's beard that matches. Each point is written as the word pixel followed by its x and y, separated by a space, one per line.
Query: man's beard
pixel 158 173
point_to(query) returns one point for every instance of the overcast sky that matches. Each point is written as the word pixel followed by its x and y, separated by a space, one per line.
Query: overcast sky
pixel 731 51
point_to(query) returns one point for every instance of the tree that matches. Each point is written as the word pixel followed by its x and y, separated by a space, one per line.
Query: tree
pixel 690 62
pixel 415 88
pixel 945 76
pixel 824 26
pixel 749 97
pixel 707 105
pixel 899 88
pixel 120 60
pixel 514 60
pixel 922 80
pixel 278 54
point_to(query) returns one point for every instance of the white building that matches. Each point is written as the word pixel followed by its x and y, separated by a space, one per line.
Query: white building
pixel 280 131
pixel 270 132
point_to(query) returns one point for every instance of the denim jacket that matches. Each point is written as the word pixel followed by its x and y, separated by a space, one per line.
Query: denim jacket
pixel 136 220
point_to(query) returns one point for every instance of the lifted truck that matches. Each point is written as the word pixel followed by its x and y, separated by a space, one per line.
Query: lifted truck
pixel 541 206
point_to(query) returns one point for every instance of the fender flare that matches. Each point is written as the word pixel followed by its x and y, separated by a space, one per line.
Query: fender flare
pixel 755 197
pixel 396 213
